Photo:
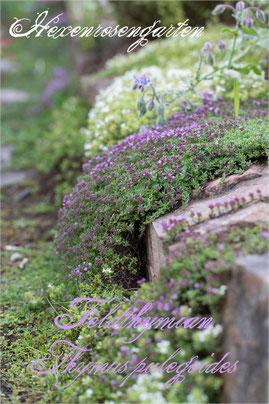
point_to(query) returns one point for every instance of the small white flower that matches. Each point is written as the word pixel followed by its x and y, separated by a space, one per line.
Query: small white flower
pixel 217 330
pixel 89 392
pixel 163 346
pixel 222 289
pixel 107 270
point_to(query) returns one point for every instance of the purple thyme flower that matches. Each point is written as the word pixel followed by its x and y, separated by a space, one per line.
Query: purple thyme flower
pixel 58 83
pixel 264 234
pixel 143 280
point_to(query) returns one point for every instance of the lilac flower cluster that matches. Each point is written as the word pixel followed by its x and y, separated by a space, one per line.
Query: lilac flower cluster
pixel 175 223
pixel 59 82
pixel 219 208
pixel 79 271
pixel 148 174
pixel 176 226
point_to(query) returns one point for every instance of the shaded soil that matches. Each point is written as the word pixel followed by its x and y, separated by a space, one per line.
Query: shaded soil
pixel 26 221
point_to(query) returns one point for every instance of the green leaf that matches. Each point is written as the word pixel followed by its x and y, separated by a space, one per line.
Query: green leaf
pixel 231 31
pixel 246 69
pixel 141 107
pixel 250 31
pixel 263 38
pixel 160 110
pixel 236 98
pixel 264 43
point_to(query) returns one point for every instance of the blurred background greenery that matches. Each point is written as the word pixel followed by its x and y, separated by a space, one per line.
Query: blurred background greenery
pixel 45 129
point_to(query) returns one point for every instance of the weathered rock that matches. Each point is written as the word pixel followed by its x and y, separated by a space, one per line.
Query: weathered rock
pixel 245 313
pixel 216 186
pixel 245 325
pixel 15 257
pixel 7 66
pixel 12 177
pixel 6 154
pixel 23 263
pixel 23 194
pixel 11 96
pixel 13 248
pixel 235 186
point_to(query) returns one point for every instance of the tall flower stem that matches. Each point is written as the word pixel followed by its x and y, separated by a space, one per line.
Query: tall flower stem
pixel 232 52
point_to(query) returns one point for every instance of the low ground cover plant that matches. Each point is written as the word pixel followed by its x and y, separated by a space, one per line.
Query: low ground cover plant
pixel 60 148
pixel 145 176
pixel 192 284
pixel 114 115
pixel 29 330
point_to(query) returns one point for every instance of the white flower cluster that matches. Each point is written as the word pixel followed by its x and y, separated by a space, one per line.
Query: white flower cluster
pixel 147 389
pixel 163 346
pixel 114 115
pixel 250 84
pixel 211 331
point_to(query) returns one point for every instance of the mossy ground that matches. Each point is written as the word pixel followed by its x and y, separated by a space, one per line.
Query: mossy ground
pixel 32 296
pixel 26 311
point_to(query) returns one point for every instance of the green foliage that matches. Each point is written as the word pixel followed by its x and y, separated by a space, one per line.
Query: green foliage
pixel 195 279
pixel 114 115
pixel 243 40
pixel 23 123
pixel 236 97
pixel 166 53
pixel 144 12
pixel 30 300
pixel 87 14
pixel 59 150
pixel 32 297
pixel 147 175
pixel 171 53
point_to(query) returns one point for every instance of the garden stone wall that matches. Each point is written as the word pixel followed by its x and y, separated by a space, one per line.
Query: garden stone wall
pixel 245 310
pixel 256 177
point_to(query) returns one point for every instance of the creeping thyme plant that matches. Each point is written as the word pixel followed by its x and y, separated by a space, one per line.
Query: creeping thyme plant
pixel 244 39
pixel 148 174
pixel 192 284
pixel 114 114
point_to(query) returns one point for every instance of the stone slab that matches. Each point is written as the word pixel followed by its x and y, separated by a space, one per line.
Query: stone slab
pixel 257 177
pixel 245 335
pixel 12 96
